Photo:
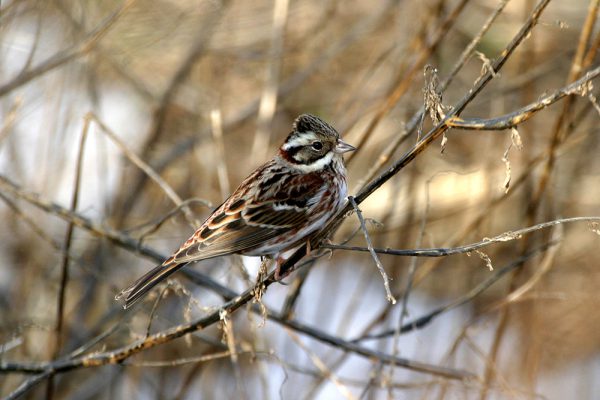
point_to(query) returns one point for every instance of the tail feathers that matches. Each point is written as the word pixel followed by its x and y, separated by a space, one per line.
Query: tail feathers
pixel 135 292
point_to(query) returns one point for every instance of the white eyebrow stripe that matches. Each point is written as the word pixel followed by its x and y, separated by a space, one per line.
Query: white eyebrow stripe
pixel 302 139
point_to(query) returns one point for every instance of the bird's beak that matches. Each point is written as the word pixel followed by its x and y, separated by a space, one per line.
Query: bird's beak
pixel 343 147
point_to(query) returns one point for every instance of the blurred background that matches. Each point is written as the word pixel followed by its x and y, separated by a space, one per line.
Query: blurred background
pixel 199 93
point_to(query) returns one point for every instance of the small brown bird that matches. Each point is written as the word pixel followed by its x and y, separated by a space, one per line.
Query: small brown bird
pixel 274 210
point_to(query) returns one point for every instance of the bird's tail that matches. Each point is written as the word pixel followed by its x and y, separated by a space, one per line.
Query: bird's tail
pixel 143 285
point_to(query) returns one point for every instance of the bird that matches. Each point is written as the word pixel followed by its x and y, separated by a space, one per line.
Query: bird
pixel 274 210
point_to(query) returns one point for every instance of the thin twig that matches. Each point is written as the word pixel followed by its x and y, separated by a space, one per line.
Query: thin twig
pixel 384 275
pixel 10 118
pixel 138 162
pixel 64 275
pixel 186 360
pixel 442 252
pixel 229 338
pixel 542 269
pixel 152 226
pixel 155 307
pixel 216 122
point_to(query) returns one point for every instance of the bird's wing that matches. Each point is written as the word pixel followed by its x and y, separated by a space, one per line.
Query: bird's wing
pixel 243 224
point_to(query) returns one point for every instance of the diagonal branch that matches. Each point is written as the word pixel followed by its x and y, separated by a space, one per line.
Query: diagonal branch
pixel 521 115
pixel 118 355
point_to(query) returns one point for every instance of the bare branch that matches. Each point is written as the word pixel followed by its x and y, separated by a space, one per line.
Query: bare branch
pixel 579 87
pixel 442 252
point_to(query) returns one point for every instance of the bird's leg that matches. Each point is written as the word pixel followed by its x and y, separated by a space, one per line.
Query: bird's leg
pixel 279 261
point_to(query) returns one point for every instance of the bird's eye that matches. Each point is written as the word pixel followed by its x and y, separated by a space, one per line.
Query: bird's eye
pixel 317 145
